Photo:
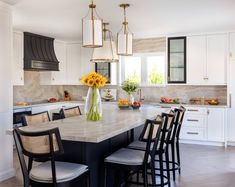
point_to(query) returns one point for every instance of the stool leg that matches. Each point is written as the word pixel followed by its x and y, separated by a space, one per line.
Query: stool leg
pixel 173 159
pixel 138 177
pixel 145 177
pixel 178 155
pixel 153 173
pixel 161 169
pixel 168 166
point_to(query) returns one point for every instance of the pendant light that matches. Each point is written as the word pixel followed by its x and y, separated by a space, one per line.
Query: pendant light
pixel 107 53
pixel 92 28
pixel 124 36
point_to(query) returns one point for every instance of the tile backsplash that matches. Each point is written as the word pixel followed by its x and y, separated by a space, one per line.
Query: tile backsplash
pixel 32 91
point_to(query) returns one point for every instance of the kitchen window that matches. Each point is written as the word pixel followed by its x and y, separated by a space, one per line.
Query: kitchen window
pixel 145 69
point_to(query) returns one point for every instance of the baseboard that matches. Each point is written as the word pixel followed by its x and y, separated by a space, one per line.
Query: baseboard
pixel 7 174
pixel 197 142
pixel 231 143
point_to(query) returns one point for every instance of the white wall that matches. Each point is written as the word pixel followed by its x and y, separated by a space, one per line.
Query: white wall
pixel 6 92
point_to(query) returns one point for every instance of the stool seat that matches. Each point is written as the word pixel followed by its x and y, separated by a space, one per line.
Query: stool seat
pixel 64 172
pixel 128 157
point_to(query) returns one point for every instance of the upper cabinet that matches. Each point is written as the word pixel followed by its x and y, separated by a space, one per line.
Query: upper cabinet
pixel 73 64
pixel 177 60
pixel 206 59
pixel 56 77
pixel 18 62
pixel 232 47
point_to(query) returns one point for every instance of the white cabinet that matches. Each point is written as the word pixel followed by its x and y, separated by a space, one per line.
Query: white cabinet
pixel 232 46
pixel 56 77
pixel 6 93
pixel 18 62
pixel 86 65
pixel 231 89
pixel 206 59
pixel 73 63
pixel 196 59
pixel 204 124
pixel 217 58
pixel 215 124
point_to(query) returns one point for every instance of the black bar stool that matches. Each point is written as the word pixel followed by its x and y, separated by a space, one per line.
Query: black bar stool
pixel 131 161
pixel 46 144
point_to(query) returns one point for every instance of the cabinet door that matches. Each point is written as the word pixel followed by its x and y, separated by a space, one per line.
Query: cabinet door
pixel 232 46
pixel 60 76
pixel 196 59
pixel 86 65
pixel 54 77
pixel 18 63
pixel 73 63
pixel 216 124
pixel 177 60
pixel 216 58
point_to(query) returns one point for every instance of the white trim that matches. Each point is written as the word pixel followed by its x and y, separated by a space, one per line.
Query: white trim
pixel 198 142
pixel 231 143
pixel 7 174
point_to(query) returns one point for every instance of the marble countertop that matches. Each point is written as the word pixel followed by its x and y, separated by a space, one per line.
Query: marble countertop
pixel 114 122
pixel 46 104
pixel 149 103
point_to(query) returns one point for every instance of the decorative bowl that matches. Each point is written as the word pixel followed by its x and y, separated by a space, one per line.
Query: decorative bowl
pixel 135 107
pixel 123 107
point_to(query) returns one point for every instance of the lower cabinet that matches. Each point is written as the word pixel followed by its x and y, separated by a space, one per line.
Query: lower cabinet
pixel 204 124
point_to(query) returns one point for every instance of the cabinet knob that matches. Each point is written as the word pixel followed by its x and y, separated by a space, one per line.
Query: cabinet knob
pixel 53 79
pixel 208 112
pixel 21 78
pixel 231 55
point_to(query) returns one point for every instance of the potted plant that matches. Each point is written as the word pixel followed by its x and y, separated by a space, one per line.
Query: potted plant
pixel 130 87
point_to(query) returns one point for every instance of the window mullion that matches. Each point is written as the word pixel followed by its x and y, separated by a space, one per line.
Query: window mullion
pixel 144 70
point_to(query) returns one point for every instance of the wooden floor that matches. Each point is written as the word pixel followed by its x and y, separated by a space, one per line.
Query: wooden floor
pixel 202 166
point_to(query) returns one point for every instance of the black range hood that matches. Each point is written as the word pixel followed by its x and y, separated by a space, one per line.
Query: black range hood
pixel 39 53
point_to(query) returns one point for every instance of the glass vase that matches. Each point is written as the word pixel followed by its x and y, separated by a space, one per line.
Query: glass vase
pixel 93 105
pixel 131 99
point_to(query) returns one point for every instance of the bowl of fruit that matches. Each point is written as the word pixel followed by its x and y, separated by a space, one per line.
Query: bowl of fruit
pixel 123 104
pixel 136 105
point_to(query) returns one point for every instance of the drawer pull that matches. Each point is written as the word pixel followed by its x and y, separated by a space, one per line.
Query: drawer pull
pixel 193 120
pixel 193 133
pixel 192 110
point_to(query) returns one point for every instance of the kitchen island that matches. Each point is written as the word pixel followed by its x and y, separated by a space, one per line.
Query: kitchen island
pixel 90 142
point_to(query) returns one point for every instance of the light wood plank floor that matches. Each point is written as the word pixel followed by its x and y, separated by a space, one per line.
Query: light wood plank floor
pixel 202 166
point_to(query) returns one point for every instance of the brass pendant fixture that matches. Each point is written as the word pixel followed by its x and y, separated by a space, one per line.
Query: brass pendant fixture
pixel 92 36
pixel 107 53
pixel 124 36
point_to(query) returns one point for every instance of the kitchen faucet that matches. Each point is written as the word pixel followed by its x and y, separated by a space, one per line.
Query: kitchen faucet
pixel 140 95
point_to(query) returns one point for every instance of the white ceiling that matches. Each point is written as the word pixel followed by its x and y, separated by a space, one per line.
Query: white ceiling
pixel 147 18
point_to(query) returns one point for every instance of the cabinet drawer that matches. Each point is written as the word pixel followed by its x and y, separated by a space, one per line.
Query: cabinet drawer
pixel 194 121
pixel 192 110
pixel 188 133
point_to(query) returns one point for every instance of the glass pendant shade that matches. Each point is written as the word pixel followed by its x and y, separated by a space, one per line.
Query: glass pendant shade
pixel 124 37
pixel 92 36
pixel 107 53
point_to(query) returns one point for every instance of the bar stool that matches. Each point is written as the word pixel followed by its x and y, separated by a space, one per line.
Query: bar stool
pixel 130 160
pixel 174 141
pixel 37 118
pixel 162 148
pixel 46 144
pixel 70 112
